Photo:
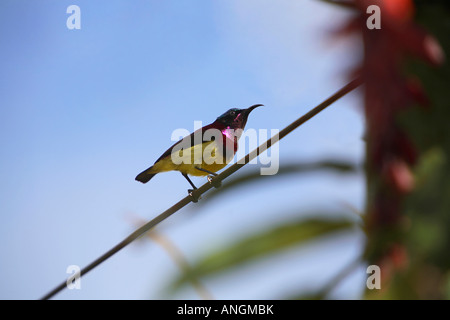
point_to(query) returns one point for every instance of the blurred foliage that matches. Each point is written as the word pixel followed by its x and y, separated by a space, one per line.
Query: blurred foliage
pixel 264 243
pixel 427 208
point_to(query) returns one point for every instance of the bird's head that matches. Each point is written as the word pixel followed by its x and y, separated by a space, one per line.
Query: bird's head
pixel 236 118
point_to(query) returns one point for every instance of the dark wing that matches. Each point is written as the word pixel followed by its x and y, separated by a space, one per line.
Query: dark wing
pixel 190 139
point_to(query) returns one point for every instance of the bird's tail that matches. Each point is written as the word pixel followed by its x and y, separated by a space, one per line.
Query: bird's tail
pixel 145 176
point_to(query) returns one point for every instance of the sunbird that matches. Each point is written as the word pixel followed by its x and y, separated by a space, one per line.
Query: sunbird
pixel 205 151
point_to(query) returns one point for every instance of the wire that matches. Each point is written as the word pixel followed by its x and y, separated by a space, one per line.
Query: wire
pixel 195 194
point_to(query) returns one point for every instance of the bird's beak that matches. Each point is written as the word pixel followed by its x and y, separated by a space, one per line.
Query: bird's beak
pixel 245 114
pixel 248 110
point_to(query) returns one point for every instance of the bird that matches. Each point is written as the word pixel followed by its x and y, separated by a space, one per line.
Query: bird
pixel 205 151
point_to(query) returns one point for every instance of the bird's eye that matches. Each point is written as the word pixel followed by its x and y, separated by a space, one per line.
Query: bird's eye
pixel 233 113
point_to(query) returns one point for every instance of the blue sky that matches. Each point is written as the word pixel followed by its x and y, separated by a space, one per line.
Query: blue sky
pixel 83 111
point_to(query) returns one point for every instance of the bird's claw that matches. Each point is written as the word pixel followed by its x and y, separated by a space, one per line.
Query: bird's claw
pixel 194 197
pixel 212 180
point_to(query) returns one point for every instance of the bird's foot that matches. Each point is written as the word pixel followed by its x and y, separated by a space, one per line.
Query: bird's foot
pixel 195 198
pixel 215 183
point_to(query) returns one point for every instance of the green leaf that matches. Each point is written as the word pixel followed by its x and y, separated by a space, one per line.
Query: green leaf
pixel 287 169
pixel 261 244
